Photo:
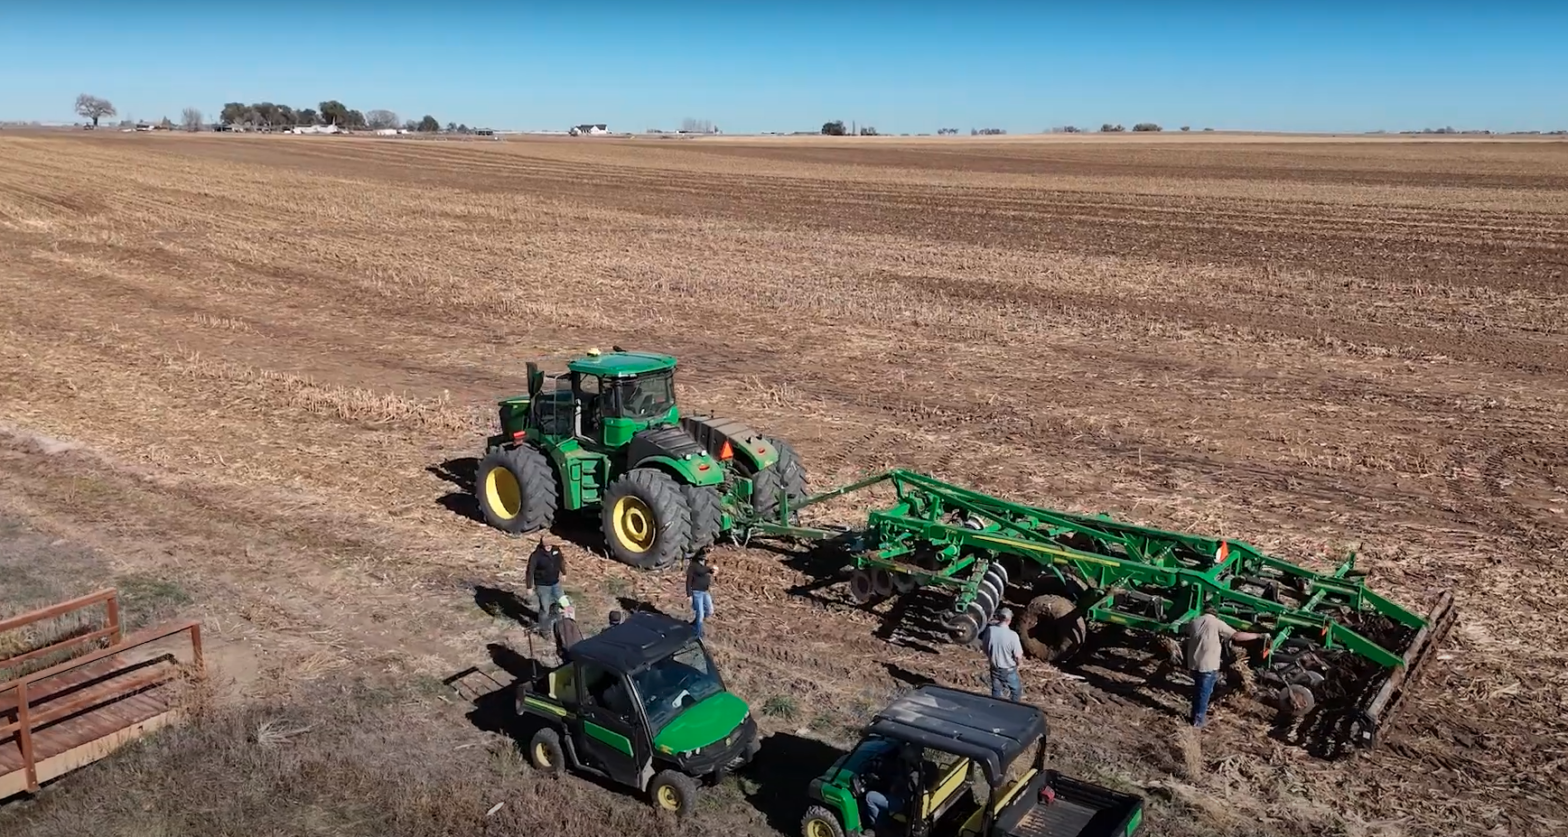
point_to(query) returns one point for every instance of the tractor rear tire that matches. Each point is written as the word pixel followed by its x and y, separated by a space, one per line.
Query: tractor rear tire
pixel 673 791
pixel 645 519
pixel 787 474
pixel 707 516
pixel 791 470
pixel 820 822
pixel 516 490
pixel 1052 629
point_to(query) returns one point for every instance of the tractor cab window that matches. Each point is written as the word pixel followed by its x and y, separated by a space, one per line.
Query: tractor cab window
pixel 553 407
pixel 676 682
pixel 643 397
pixel 588 395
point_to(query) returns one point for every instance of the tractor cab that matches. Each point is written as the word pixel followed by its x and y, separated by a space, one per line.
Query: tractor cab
pixel 950 762
pixel 619 394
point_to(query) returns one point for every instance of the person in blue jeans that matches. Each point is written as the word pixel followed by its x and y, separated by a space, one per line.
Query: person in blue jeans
pixel 699 586
pixel 1006 651
pixel 1205 641
pixel 545 567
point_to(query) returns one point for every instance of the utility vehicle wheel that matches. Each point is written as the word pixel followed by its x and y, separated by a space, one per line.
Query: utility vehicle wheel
pixel 1051 628
pixel 645 519
pixel 544 752
pixel 860 587
pixel 707 514
pixel 516 489
pixel 673 791
pixel 820 822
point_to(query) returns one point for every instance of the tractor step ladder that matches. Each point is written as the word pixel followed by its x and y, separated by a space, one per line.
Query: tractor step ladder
pixel 56 717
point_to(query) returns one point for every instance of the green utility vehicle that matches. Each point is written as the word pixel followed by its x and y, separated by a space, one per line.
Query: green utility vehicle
pixel 970 787
pixel 608 435
pixel 641 704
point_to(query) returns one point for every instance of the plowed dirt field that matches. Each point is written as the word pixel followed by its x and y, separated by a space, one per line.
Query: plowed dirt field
pixel 255 370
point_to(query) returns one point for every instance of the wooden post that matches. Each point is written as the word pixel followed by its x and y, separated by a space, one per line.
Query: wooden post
pixel 24 734
pixel 113 603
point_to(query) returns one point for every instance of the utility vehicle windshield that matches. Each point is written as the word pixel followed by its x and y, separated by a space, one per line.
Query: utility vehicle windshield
pixel 643 397
pixel 675 683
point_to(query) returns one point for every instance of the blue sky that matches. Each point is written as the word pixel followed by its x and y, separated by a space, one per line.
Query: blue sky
pixel 758 66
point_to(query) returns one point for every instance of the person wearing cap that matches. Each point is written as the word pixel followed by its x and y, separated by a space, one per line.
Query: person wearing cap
pixel 564 619
pixel 1006 651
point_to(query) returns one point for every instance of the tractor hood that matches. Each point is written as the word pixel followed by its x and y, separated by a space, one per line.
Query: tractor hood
pixel 708 722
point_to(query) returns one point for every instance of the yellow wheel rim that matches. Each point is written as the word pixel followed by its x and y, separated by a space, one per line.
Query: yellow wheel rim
pixel 502 494
pixel 669 799
pixel 818 828
pixel 633 522
pixel 541 755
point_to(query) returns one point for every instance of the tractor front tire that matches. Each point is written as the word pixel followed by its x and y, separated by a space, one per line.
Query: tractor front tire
pixel 820 822
pixel 516 489
pixel 674 791
pixel 707 516
pixel 645 519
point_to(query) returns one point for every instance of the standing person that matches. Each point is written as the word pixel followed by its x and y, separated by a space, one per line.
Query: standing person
pixel 699 583
pixel 546 566
pixel 566 632
pixel 1006 651
pixel 1205 638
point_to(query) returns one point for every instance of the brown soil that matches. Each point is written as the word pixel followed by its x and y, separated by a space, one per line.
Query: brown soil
pixel 240 366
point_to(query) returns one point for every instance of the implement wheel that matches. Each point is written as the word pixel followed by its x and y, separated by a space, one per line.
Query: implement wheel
pixel 1051 628
pixel 516 489
pixel 820 822
pixel 645 519
pixel 860 587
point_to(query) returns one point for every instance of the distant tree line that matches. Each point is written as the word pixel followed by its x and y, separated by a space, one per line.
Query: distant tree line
pixel 330 112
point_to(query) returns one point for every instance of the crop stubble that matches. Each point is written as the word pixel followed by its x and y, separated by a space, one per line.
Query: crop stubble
pixel 1295 344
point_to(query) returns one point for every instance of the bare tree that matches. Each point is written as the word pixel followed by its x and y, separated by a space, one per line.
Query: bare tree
pixel 696 126
pixel 191 119
pixel 381 119
pixel 92 107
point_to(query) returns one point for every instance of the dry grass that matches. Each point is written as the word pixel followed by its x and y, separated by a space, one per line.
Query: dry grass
pixel 251 353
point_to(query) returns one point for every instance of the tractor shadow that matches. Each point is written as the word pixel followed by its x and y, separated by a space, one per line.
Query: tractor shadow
pixel 576 527
pixel 785 764
pixel 460 473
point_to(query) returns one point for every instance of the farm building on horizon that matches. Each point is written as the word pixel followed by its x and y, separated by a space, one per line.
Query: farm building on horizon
pixel 592 130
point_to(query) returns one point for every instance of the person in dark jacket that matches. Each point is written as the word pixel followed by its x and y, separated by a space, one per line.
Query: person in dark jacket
pixel 546 566
pixel 699 584
pixel 564 618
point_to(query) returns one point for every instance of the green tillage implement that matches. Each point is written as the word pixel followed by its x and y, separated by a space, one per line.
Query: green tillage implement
pixel 1335 643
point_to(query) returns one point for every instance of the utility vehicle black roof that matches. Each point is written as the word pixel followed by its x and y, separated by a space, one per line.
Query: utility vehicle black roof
pixel 987 730
pixel 643 638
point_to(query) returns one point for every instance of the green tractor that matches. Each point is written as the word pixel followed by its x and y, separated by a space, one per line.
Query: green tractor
pixel 608 435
